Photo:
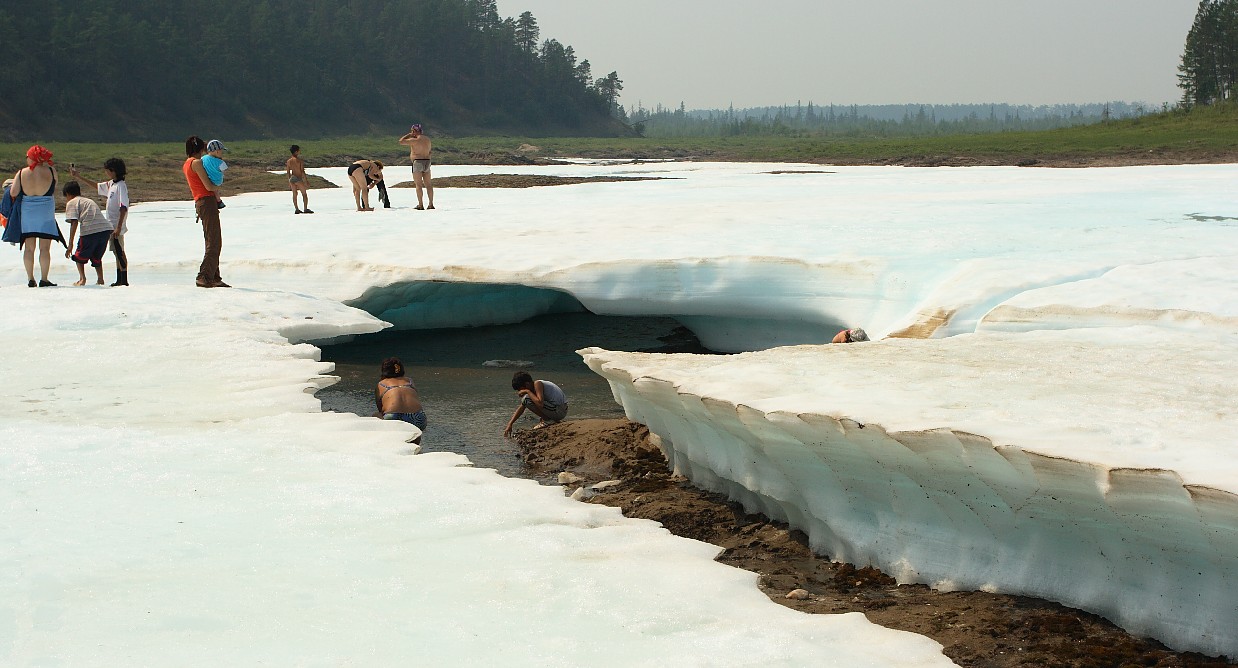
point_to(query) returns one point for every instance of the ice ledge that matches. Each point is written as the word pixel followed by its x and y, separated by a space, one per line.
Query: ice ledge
pixel 946 507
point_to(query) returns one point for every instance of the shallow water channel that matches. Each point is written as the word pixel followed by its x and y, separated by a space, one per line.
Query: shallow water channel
pixel 468 402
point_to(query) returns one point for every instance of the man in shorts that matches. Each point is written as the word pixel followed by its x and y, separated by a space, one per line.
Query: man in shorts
pixel 297 180
pixel 419 152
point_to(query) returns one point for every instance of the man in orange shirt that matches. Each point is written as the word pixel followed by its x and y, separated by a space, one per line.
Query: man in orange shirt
pixel 207 204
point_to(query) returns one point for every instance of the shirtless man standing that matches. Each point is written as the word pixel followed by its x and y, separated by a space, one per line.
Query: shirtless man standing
pixel 419 151
pixel 297 179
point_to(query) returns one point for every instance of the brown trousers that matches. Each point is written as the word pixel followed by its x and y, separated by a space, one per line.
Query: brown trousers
pixel 208 212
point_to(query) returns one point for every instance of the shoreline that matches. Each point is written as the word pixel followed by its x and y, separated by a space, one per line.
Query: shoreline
pixel 161 179
pixel 974 628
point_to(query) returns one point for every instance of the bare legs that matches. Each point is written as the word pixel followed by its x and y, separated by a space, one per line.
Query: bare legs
pixel 360 190
pixel 422 180
pixel 45 257
pixel 304 198
pixel 81 274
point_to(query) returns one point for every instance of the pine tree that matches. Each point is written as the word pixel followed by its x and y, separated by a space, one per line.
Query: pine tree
pixel 1209 67
pixel 527 32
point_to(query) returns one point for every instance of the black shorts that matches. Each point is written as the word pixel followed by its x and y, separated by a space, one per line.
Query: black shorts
pixel 91 248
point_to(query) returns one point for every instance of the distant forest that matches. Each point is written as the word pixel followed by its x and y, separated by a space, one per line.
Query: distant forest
pixel 887 120
pixel 107 70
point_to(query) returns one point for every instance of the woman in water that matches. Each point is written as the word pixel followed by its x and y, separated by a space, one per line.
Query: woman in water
pixel 396 396
pixel 36 182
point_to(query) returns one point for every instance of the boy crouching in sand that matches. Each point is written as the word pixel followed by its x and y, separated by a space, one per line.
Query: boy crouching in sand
pixel 542 397
pixel 96 229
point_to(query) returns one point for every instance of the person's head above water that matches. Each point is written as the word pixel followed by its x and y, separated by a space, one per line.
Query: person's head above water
pixel 856 335
pixel 392 368
pixel 522 381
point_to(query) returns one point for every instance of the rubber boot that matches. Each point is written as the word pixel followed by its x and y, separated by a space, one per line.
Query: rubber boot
pixel 122 278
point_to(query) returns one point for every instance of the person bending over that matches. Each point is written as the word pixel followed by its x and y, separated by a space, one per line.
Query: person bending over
pixel 360 173
pixel 542 397
pixel 96 232
pixel 396 397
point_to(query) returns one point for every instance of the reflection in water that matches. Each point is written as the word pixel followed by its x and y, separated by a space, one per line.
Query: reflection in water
pixel 468 402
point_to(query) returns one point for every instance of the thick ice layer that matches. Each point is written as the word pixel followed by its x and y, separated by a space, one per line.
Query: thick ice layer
pixel 170 495
pixel 1092 467
pixel 1194 294
pixel 749 259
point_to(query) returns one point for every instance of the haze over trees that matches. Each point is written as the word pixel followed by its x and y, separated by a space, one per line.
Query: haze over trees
pixel 1210 58
pixel 885 120
pixel 106 70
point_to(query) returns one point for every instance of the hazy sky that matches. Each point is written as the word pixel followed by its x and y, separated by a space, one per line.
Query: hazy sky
pixel 712 53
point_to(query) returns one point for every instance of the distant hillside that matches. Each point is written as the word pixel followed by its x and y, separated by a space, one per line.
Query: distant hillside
pixel 106 70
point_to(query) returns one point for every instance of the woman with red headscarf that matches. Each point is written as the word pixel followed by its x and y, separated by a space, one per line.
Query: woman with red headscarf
pixel 36 183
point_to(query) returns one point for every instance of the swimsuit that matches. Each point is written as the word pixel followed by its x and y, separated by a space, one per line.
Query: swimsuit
pixel 354 167
pixel 38 215
pixel 388 388
pixel 294 179
pixel 417 419
pixel 421 165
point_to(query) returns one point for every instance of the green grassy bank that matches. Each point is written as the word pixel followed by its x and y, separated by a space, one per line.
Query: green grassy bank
pixel 1202 135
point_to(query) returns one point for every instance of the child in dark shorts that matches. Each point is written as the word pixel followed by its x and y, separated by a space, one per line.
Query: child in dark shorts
pixel 96 231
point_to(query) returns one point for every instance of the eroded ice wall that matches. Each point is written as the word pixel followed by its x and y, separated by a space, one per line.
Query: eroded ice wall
pixel 982 462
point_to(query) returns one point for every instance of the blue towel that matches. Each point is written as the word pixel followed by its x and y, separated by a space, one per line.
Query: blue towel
pixel 38 217
pixel 11 208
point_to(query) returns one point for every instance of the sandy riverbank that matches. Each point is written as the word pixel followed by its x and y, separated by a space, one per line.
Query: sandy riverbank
pixel 976 628
pixel 161 179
